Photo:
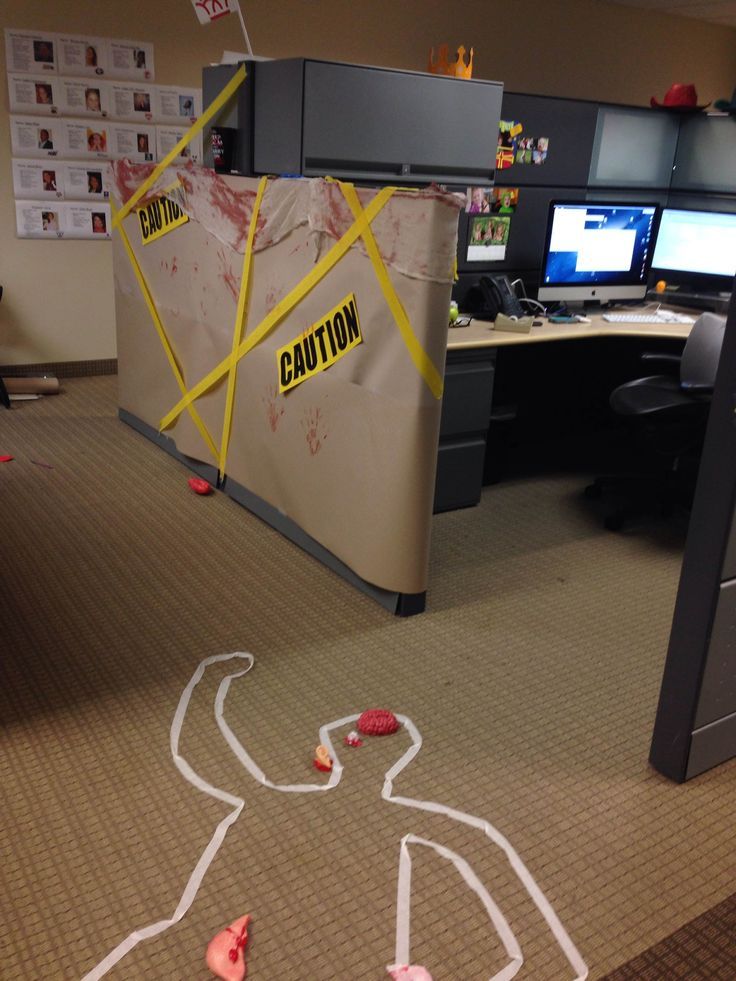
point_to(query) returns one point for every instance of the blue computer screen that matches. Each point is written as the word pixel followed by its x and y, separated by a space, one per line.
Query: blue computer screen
pixel 598 244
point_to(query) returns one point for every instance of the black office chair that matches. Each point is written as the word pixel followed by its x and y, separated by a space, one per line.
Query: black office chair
pixel 668 415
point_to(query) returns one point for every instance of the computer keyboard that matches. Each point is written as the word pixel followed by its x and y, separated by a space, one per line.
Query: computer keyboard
pixel 663 317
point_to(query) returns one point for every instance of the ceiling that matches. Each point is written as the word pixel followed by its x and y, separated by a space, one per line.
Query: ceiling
pixel 715 11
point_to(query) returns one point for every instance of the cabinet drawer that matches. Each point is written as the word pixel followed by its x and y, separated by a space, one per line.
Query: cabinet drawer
pixel 466 403
pixel 459 474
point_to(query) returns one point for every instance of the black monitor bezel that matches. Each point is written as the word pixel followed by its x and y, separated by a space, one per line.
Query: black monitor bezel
pixel 602 203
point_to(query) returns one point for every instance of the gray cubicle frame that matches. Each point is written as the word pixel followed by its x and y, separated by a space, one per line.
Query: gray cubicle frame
pixel 695 725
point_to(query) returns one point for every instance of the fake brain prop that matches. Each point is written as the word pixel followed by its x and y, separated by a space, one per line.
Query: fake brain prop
pixel 377 722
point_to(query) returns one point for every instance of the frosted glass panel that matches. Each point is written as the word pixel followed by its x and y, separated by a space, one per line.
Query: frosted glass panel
pixel 633 148
pixel 706 154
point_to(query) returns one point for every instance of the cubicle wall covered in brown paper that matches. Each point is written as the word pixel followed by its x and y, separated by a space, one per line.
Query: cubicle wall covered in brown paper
pixel 349 454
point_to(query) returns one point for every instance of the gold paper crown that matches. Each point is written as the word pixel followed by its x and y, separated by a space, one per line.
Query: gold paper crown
pixel 457 68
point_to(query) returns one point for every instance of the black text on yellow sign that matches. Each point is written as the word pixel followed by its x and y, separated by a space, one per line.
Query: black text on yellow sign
pixel 158 218
pixel 320 345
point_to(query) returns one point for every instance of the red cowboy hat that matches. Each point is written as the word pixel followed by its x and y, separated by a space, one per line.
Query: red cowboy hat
pixel 679 98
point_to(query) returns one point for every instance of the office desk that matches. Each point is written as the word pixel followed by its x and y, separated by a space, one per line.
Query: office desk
pixel 470 371
pixel 481 333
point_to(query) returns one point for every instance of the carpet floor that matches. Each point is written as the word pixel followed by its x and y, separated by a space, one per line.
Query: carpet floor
pixel 533 678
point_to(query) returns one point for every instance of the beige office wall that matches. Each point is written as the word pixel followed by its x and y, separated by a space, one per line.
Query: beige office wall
pixel 58 303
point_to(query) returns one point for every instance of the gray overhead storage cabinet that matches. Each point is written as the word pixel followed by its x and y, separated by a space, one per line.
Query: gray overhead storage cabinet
pixel 316 118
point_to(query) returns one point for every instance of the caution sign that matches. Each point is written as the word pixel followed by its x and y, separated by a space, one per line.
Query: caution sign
pixel 320 345
pixel 158 218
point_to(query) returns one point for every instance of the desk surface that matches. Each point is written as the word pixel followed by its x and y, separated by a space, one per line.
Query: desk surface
pixel 481 333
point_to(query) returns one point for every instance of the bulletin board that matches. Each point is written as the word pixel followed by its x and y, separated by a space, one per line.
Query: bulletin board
pixel 77 102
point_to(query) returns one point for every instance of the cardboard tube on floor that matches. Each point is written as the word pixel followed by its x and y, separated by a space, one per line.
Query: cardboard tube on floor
pixel 39 385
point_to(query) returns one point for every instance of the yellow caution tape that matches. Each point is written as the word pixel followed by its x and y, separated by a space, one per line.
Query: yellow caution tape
pixel 239 325
pixel 211 110
pixel 285 306
pixel 162 334
pixel 418 355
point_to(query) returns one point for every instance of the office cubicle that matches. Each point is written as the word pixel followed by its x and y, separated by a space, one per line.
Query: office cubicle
pixel 685 162
pixel 598 152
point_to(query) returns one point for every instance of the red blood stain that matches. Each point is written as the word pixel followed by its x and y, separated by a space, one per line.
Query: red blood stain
pixel 128 177
pixel 227 275
pixel 174 267
pixel 338 217
pixel 274 411
pixel 314 430
pixel 271 298
pixel 235 206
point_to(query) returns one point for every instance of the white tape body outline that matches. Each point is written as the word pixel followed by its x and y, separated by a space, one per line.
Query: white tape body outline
pixel 404 879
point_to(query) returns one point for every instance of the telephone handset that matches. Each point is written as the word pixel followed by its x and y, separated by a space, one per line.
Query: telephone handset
pixel 499 297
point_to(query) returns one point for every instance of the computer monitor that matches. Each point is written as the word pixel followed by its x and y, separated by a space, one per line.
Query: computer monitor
pixel 695 251
pixel 597 251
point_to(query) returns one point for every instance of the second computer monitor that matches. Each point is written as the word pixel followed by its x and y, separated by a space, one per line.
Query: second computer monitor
pixel 597 251
pixel 696 250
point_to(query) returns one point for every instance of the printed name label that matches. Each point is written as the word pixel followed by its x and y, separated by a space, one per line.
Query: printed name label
pixel 158 218
pixel 320 345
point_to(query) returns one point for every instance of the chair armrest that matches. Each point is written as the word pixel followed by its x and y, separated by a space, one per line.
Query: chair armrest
pixel 696 388
pixel 661 356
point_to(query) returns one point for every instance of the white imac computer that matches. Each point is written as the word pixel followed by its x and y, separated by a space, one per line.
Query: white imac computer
pixel 597 252
pixel 695 254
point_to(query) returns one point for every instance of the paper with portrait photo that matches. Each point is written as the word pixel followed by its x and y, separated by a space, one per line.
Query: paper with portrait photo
pixel 135 102
pixel 36 219
pixel 177 104
pixel 168 136
pixel 478 200
pixel 87 181
pixel 505 200
pixel 84 97
pixel 34 94
pixel 87 221
pixel 86 139
pixel 36 137
pixel 136 142
pixel 38 179
pixel 30 51
pixel 131 60
pixel 78 55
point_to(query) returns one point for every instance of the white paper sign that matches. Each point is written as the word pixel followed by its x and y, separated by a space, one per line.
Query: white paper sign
pixel 134 142
pixel 38 179
pixel 34 93
pixel 90 181
pixel 28 51
pixel 175 104
pixel 86 138
pixel 31 137
pixel 84 97
pixel 131 59
pixel 169 136
pixel 132 101
pixel 82 55
pixel 34 219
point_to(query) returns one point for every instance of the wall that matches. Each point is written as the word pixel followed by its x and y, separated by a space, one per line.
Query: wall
pixel 58 303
